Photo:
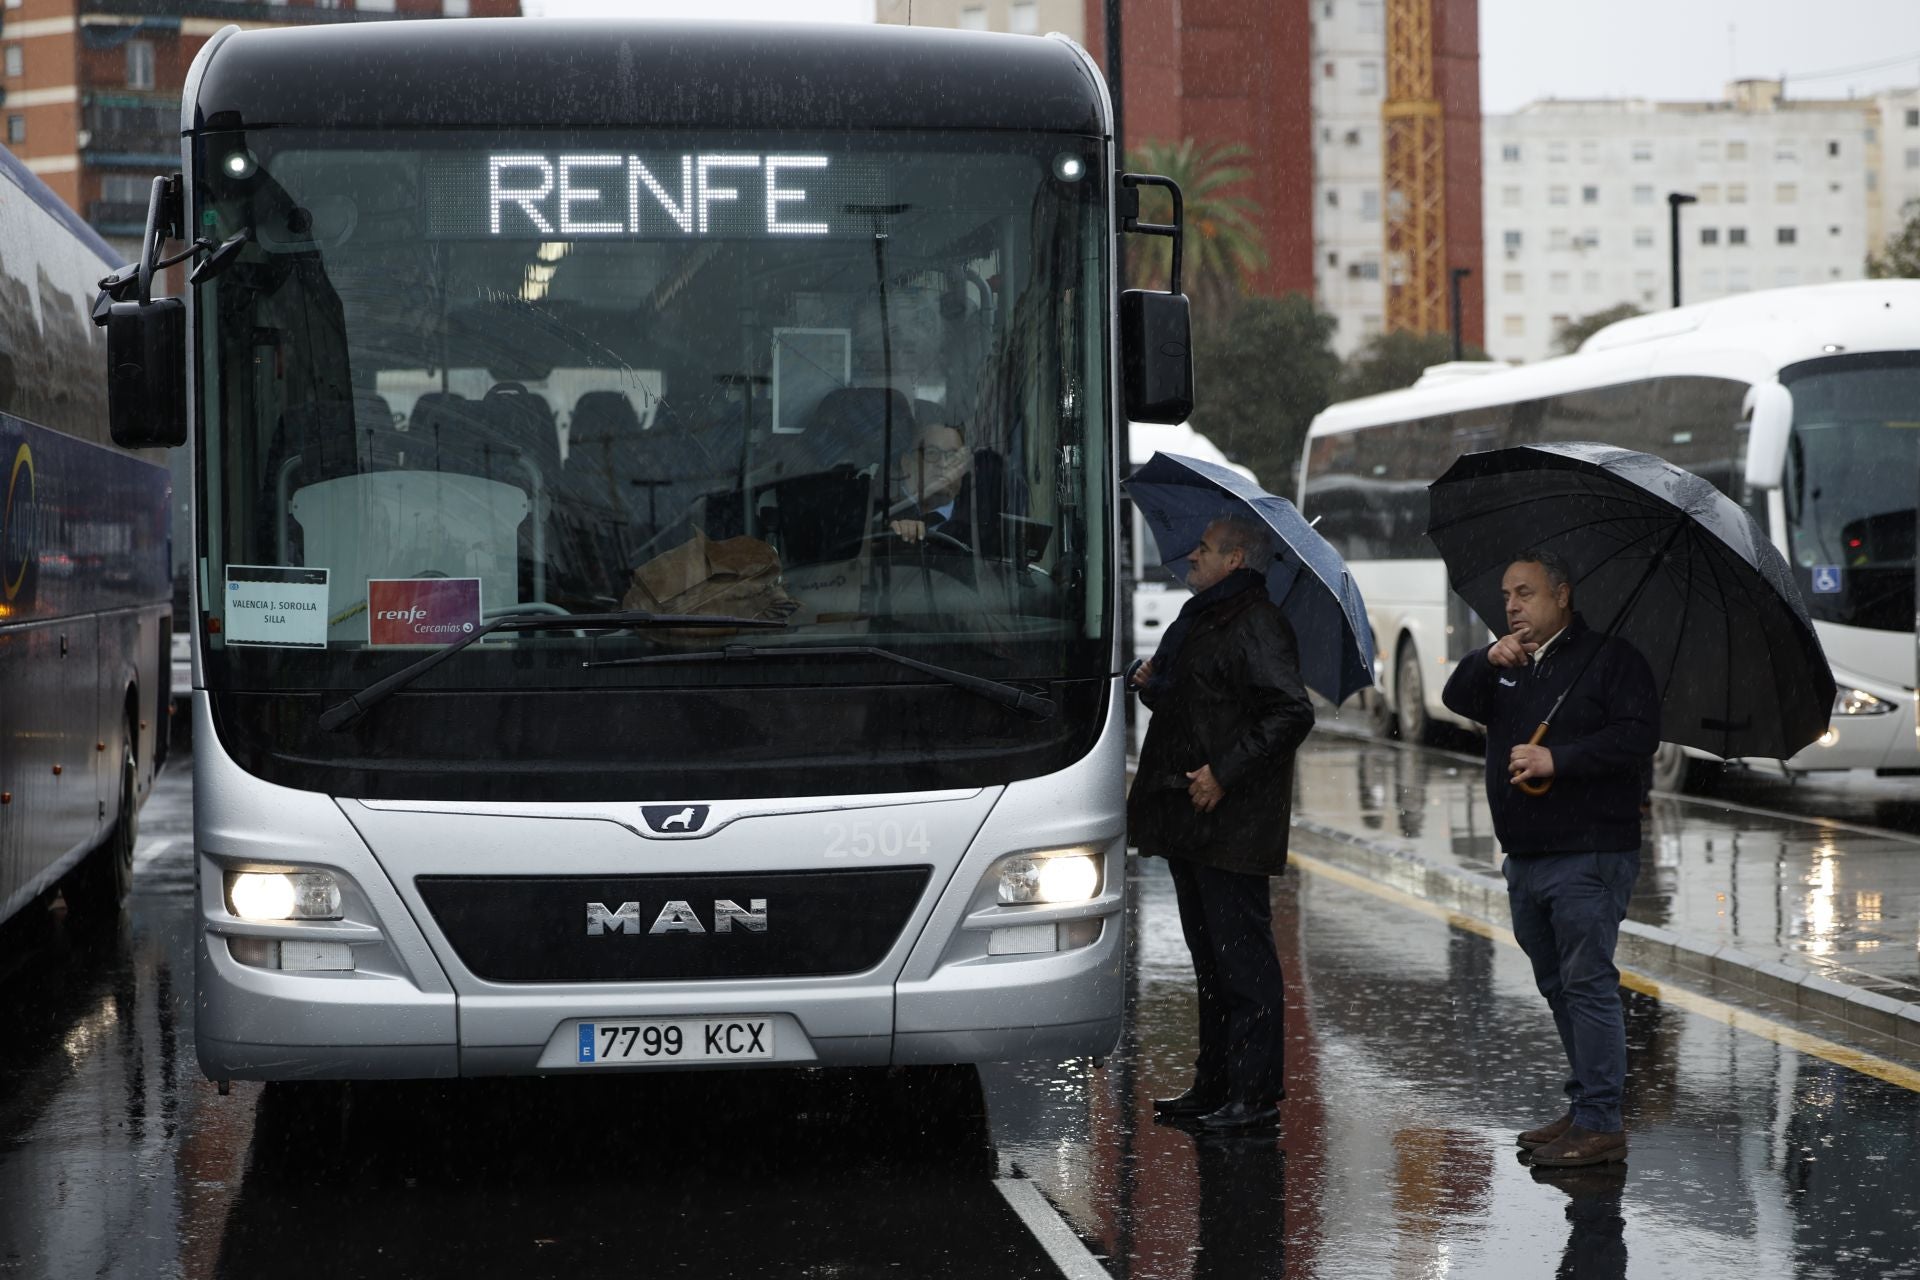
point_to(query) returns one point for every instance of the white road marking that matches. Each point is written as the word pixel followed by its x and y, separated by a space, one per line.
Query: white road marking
pixel 154 850
pixel 1054 1235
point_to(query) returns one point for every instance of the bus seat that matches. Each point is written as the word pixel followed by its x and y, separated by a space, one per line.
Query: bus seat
pixel 850 425
pixel 522 420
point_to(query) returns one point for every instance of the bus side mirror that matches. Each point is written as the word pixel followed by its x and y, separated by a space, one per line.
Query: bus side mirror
pixel 1156 333
pixel 1156 356
pixel 1769 419
pixel 146 373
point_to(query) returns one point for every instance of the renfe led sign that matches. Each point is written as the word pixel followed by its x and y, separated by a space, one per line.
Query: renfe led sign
pixel 720 194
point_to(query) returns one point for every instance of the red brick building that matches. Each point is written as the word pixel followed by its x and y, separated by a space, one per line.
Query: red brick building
pixel 92 87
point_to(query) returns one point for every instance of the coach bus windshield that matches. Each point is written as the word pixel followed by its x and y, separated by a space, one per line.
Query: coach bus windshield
pixel 1849 487
pixel 852 384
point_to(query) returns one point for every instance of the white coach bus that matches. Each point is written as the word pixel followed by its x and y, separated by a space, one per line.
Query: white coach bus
pixel 1802 404
pixel 655 543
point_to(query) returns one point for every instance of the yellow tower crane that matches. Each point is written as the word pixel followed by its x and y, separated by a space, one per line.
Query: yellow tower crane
pixel 1413 137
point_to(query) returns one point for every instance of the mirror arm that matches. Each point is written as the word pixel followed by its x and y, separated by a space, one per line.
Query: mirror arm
pixel 1130 216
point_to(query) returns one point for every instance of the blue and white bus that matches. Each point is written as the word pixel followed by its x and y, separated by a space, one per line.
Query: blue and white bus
pixel 655 559
pixel 85 619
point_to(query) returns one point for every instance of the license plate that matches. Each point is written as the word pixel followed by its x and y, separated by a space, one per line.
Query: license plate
pixel 637 1040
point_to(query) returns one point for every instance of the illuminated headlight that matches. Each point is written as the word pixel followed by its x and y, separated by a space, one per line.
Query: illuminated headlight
pixel 1858 702
pixel 281 895
pixel 1040 877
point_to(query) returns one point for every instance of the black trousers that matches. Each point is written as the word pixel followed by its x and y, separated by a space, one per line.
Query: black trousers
pixel 1228 923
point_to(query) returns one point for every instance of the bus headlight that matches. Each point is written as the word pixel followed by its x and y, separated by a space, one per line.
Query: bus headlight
pixel 283 895
pixel 1858 702
pixel 1042 877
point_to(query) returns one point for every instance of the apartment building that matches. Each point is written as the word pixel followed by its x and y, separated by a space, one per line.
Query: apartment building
pixel 1577 220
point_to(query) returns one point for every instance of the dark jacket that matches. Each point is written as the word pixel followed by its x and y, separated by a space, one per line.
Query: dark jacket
pixel 1602 739
pixel 1233 701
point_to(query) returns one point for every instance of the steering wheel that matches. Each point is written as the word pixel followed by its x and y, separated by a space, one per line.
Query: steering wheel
pixel 931 537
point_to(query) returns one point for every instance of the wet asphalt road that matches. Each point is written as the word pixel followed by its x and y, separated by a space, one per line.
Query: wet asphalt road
pixel 1416 1049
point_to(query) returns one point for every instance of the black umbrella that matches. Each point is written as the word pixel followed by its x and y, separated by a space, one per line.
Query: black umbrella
pixel 1662 558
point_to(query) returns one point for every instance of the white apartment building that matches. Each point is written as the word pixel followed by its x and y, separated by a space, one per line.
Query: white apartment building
pixel 1022 17
pixel 1577 218
pixel 1349 85
pixel 1899 168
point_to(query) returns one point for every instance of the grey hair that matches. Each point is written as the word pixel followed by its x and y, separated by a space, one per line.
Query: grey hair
pixel 1249 537
pixel 1558 575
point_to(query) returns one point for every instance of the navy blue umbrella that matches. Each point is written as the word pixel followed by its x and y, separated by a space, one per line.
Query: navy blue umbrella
pixel 1179 497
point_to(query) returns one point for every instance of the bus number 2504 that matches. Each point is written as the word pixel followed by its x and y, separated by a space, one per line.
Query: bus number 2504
pixel 875 839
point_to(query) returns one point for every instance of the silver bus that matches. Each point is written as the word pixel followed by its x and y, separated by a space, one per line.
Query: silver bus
pixel 84 614
pixel 654 559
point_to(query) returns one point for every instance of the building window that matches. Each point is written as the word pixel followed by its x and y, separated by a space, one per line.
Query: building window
pixel 1913 113
pixel 1738 280
pixel 1023 17
pixel 973 18
pixel 1643 237
pixel 1512 197
pixel 1511 240
pixel 1365 269
pixel 1833 148
pixel 1709 192
pixel 1556 195
pixel 1643 152
pixel 1328 70
pixel 1333 197
pixel 1913 153
pixel 1510 153
pixel 15 4
pixel 1786 193
pixel 1736 235
pixel 1557 238
pixel 1590 282
pixel 1833 231
pixel 1787 150
pixel 1369 77
pixel 1556 153
pixel 1513 326
pixel 1786 277
pixel 1873 180
pixel 1369 205
pixel 1736 193
pixel 1709 149
pixel 16 60
pixel 1370 326
pixel 1643 281
pixel 448 8
pixel 1589 152
pixel 1590 238
pixel 16 130
pixel 125 188
pixel 1514 282
pixel 1736 149
pixel 1333 259
pixel 139 64
pixel 1372 18
pixel 1786 235
pixel 1709 235
pixel 1710 279
pixel 1558 321
pixel 1589 195
pixel 1353 137
pixel 1643 194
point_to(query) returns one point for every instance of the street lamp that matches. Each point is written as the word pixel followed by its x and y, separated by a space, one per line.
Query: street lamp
pixel 1674 200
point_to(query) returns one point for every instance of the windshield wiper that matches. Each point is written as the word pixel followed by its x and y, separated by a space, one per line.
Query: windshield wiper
pixel 993 690
pixel 357 704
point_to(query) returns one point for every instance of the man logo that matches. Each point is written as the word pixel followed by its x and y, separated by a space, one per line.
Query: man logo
pixel 668 819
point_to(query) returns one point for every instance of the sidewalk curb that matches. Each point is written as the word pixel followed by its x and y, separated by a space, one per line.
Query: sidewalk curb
pixel 1654 951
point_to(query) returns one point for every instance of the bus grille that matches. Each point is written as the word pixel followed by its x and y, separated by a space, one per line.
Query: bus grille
pixel 653 928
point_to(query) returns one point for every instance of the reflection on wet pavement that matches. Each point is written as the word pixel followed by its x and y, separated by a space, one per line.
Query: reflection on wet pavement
pixel 1416 1052
pixel 1812 892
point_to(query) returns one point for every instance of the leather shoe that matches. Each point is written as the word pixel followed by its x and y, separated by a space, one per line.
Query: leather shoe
pixel 1545 1133
pixel 1580 1146
pixel 1194 1102
pixel 1242 1115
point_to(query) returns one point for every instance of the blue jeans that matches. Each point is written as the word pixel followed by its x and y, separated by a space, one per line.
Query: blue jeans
pixel 1567 909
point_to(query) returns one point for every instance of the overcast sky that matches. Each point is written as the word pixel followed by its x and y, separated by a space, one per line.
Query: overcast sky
pixel 1567 48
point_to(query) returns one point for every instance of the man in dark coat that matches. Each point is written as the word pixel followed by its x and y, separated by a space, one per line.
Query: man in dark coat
pixel 1573 852
pixel 1213 794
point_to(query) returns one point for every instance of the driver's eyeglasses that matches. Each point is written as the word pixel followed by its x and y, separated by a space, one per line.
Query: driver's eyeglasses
pixel 936 456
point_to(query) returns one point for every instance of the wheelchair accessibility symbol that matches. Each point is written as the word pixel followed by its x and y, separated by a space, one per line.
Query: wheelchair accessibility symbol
pixel 1826 579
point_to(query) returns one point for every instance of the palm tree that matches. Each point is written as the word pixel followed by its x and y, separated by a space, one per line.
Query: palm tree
pixel 1223 242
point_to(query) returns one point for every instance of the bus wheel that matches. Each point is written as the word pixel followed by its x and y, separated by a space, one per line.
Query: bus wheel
pixel 106 878
pixel 1410 696
pixel 1379 712
pixel 1672 768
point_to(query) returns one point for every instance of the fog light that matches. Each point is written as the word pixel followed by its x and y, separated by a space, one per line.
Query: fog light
pixel 279 895
pixel 1039 878
pixel 1828 738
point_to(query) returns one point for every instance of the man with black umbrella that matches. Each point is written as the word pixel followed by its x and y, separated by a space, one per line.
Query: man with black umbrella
pixel 1213 794
pixel 1567 812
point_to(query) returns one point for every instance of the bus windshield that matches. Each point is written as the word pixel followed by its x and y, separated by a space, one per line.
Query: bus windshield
pixel 1849 489
pixel 850 383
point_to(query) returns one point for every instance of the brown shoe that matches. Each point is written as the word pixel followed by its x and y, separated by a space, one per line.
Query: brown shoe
pixel 1578 1146
pixel 1545 1133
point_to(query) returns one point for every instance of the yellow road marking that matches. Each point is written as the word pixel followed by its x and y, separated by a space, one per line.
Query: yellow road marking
pixel 1894 1073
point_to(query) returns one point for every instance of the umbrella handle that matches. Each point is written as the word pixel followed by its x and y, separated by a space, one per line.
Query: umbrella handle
pixel 1544 785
